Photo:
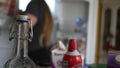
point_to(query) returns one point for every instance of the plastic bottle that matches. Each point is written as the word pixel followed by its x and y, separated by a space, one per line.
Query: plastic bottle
pixel 72 59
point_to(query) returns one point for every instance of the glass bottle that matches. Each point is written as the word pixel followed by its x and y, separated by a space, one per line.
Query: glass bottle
pixel 22 34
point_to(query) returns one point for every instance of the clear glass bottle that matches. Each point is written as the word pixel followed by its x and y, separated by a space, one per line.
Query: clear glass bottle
pixel 22 34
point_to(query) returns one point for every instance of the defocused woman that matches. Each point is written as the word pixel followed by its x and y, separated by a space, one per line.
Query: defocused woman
pixel 40 15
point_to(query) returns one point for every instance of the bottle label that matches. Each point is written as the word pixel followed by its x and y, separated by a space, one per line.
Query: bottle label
pixel 64 64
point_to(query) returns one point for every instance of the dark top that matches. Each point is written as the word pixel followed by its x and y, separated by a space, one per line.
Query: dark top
pixel 35 9
pixel 36 52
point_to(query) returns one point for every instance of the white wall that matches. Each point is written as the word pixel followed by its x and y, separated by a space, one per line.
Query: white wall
pixel 23 6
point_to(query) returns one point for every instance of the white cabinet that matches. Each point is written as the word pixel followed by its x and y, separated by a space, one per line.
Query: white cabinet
pixel 68 10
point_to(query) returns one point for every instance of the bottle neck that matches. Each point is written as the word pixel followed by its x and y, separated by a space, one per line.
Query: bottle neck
pixel 22 48
pixel 22 40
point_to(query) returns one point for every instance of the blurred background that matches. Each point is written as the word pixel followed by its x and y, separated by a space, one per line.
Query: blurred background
pixel 94 23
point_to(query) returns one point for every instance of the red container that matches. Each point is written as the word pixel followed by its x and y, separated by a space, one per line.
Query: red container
pixel 72 59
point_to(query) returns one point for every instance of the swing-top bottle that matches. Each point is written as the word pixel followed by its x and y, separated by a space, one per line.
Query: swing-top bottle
pixel 22 34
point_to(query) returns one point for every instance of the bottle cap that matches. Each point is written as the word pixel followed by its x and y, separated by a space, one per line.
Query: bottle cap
pixel 72 45
pixel 22 17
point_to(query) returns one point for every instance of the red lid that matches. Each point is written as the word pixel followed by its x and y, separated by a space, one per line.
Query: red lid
pixel 72 45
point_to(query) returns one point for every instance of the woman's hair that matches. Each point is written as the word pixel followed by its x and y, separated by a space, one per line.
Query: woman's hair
pixel 45 37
